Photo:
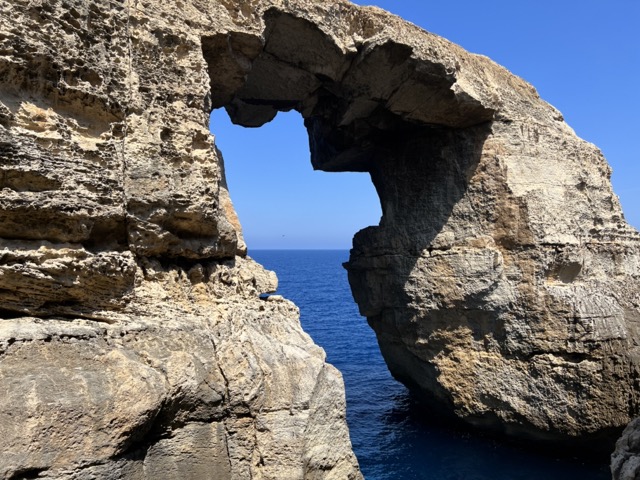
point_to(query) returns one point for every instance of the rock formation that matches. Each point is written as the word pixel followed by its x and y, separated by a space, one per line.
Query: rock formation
pixel 625 461
pixel 501 281
pixel 133 342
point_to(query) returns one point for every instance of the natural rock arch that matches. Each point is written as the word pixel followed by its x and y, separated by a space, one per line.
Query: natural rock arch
pixel 494 279
pixel 502 280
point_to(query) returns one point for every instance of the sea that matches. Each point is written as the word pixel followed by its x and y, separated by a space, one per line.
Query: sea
pixel 391 435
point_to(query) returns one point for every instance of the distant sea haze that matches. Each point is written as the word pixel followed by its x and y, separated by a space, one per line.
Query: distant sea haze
pixel 389 437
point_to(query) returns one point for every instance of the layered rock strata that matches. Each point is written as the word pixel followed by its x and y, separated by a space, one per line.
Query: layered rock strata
pixel 133 341
pixel 501 281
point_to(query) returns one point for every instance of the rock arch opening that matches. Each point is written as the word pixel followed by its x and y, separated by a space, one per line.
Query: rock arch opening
pixel 280 201
pixel 365 103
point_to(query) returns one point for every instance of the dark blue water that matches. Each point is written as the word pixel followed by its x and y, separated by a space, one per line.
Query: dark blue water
pixel 389 437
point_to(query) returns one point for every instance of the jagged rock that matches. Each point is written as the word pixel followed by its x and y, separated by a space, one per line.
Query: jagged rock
pixel 625 461
pixel 196 378
pixel 501 281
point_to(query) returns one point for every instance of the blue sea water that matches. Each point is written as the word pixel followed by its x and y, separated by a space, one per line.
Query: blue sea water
pixel 391 440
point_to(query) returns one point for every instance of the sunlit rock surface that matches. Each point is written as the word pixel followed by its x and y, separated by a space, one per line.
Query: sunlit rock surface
pixel 502 281
pixel 133 342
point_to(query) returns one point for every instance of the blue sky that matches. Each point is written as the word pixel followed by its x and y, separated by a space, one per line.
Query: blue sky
pixel 583 57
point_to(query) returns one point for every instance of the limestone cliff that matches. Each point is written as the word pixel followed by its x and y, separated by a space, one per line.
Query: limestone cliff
pixel 502 281
pixel 133 342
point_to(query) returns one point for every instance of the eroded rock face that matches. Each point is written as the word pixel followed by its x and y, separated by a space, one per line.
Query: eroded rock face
pixel 197 378
pixel 133 342
pixel 501 281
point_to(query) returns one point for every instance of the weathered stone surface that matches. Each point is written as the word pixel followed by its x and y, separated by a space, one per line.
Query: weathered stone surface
pixel 196 378
pixel 501 281
pixel 133 342
pixel 503 287
pixel 625 461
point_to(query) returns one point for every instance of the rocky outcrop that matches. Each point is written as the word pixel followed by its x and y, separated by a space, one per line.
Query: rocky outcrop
pixel 501 281
pixel 133 341
pixel 214 383
pixel 625 461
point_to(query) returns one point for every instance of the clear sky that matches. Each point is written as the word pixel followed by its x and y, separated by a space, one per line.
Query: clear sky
pixel 582 56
